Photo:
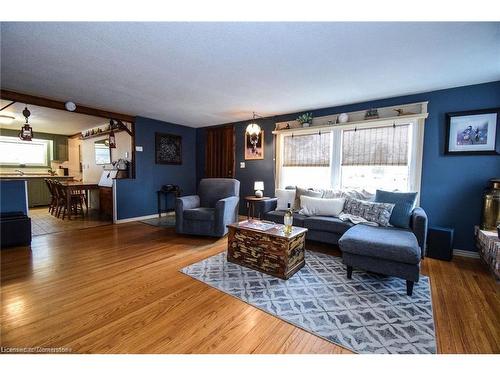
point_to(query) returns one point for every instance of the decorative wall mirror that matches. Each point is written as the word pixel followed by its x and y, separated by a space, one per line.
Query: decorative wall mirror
pixel 102 152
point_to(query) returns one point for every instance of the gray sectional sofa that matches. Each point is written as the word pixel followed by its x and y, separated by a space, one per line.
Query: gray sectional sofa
pixel 386 250
pixel 329 229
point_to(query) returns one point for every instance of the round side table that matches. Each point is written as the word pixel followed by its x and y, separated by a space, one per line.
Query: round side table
pixel 250 202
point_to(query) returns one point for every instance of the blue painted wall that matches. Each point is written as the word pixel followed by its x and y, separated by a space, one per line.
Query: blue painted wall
pixel 13 196
pixel 255 170
pixel 451 185
pixel 137 197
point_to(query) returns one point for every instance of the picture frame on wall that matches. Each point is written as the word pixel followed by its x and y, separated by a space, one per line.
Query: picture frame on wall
pixel 168 148
pixel 472 132
pixel 254 146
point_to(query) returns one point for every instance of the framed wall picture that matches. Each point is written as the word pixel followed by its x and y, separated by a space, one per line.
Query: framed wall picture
pixel 168 148
pixel 472 132
pixel 254 146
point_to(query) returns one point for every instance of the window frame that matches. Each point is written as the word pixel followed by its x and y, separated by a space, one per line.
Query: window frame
pixel 48 154
pixel 415 146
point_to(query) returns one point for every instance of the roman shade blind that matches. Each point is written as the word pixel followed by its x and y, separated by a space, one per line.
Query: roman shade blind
pixel 387 145
pixel 309 150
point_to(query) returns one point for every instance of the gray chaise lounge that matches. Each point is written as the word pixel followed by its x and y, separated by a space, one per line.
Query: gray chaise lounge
pixel 209 212
pixel 387 250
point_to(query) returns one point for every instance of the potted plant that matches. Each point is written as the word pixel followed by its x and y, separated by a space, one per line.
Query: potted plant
pixel 305 119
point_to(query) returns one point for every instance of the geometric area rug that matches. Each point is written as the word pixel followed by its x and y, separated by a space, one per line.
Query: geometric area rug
pixel 370 313
pixel 166 221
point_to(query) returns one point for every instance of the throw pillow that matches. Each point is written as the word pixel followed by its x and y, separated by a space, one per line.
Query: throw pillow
pixel 300 192
pixel 284 196
pixel 358 194
pixel 379 213
pixel 311 206
pixel 404 203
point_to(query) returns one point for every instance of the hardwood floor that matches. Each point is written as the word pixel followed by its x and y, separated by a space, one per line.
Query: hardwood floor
pixel 118 289
pixel 42 222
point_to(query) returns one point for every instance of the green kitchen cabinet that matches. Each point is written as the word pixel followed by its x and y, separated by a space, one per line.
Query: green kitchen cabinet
pixel 38 192
pixel 60 150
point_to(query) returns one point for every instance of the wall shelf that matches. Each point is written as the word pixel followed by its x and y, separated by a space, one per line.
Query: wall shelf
pixel 398 120
pixel 415 111
pixel 101 134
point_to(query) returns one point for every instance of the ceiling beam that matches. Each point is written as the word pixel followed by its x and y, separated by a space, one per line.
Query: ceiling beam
pixel 55 104
pixel 7 106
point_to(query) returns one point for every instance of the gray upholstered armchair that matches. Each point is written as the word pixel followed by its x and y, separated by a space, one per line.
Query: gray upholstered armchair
pixel 208 213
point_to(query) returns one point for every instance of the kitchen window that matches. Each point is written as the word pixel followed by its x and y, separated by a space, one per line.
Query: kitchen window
pixel 35 153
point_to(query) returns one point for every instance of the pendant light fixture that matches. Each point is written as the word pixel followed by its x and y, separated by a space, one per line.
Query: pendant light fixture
pixel 111 139
pixel 26 133
pixel 253 129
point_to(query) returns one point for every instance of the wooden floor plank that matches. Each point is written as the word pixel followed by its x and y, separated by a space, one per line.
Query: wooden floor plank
pixel 118 289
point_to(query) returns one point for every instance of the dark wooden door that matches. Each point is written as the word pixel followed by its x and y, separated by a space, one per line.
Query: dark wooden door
pixel 219 152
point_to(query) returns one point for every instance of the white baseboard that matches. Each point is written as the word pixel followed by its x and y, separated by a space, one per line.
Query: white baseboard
pixel 137 218
pixel 466 253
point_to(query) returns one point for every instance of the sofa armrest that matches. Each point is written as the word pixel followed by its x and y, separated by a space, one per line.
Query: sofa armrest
pixel 181 204
pixel 419 223
pixel 226 212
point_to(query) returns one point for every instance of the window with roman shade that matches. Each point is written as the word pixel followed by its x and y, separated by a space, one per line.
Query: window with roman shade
pixel 383 153
pixel 387 145
pixel 308 150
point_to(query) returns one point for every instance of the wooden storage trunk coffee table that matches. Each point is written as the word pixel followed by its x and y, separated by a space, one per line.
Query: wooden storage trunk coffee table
pixel 264 247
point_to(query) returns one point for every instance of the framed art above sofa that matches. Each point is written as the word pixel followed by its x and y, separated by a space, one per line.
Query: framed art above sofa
pixel 472 132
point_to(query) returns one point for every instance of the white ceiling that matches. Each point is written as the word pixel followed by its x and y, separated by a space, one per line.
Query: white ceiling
pixel 48 120
pixel 200 74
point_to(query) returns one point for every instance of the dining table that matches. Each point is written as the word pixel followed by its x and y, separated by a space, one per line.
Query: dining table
pixel 73 186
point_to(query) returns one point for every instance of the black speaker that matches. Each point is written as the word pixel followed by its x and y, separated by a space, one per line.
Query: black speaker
pixel 440 243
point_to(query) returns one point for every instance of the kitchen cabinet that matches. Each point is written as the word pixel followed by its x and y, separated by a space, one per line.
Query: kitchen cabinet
pixel 38 192
pixel 60 148
pixel 106 201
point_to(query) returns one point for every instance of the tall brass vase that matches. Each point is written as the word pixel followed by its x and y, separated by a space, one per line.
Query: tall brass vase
pixel 490 216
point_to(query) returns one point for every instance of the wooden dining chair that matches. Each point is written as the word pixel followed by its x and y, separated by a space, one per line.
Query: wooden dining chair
pixel 75 205
pixel 81 196
pixel 53 197
pixel 60 198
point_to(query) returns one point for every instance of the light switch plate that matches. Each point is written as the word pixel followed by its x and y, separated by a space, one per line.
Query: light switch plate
pixel 138 148
pixel 242 164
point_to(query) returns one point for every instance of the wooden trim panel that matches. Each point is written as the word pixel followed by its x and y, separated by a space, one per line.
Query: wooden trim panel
pixel 56 104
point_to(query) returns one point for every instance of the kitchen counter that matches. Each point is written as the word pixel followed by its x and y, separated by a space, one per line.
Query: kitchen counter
pixel 29 176
pixel 38 192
